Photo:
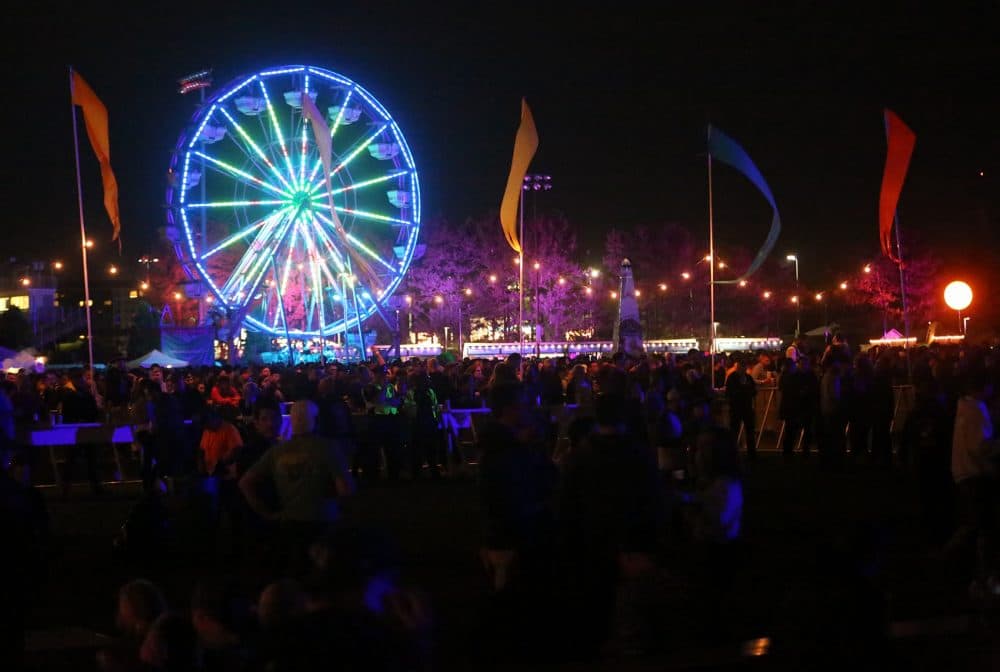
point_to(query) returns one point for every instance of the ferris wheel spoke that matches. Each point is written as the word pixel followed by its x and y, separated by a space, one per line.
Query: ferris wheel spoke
pixel 253 256
pixel 360 147
pixel 339 258
pixel 246 290
pixel 235 204
pixel 240 235
pixel 277 132
pixel 315 253
pixel 368 183
pixel 331 247
pixel 260 152
pixel 371 253
pixel 242 176
pixel 363 214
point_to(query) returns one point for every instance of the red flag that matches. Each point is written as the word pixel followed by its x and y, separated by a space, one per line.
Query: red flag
pixel 900 141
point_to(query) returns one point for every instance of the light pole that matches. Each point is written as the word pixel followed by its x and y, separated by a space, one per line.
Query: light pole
pixel 147 261
pixel 958 297
pixel 798 305
pixel 466 292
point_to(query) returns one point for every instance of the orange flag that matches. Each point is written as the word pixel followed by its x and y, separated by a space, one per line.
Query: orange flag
pixel 95 118
pixel 525 145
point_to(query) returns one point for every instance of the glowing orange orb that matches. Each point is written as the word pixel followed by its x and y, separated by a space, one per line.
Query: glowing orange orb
pixel 958 295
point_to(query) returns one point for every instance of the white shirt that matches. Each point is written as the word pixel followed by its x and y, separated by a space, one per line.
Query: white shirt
pixel 971 444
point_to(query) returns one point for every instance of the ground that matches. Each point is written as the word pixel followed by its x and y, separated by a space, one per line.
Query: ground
pixel 791 510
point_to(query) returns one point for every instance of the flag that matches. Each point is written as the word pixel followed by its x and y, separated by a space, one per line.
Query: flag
pixel 324 143
pixel 725 149
pixel 900 140
pixel 95 118
pixel 525 145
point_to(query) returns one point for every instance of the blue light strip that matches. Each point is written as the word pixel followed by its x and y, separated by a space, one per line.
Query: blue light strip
pixel 231 93
pixel 331 76
pixel 374 104
pixel 282 71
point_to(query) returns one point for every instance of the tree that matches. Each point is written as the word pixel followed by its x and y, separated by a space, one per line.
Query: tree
pixel 876 286
pixel 469 270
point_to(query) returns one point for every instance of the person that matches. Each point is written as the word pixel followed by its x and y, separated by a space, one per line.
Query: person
pixel 385 428
pixel 516 484
pixel 761 371
pixel 140 603
pixel 25 524
pixel 793 409
pixel 219 446
pixel 225 398
pixel 171 645
pixel 223 620
pixel 79 406
pixel 741 393
pixel 425 436
pixel 716 523
pixel 974 453
pixel 309 476
pixel 609 508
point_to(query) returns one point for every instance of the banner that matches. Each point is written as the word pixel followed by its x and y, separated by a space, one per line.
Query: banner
pixel 95 118
pixel 525 145
pixel 900 140
pixel 725 149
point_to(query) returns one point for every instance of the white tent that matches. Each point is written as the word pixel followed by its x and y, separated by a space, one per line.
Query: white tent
pixel 157 357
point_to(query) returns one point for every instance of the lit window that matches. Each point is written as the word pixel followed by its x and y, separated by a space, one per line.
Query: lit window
pixel 21 302
pixel 134 294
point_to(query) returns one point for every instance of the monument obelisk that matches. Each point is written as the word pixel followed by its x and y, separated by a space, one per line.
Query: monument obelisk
pixel 628 330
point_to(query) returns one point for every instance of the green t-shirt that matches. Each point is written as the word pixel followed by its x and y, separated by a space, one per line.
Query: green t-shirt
pixel 303 470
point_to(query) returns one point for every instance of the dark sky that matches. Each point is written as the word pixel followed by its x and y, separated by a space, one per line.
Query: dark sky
pixel 620 96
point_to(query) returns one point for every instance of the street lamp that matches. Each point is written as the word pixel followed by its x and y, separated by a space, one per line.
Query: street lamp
pixel 798 309
pixel 958 296
pixel 58 265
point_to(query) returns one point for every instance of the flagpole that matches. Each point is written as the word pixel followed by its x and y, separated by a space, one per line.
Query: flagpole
pixel 83 229
pixel 711 270
pixel 902 273
pixel 520 281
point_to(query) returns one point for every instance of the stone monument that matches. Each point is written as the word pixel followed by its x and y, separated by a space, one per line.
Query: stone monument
pixel 628 330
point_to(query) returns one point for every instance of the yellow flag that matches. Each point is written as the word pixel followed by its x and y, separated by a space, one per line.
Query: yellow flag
pixel 525 145
pixel 95 118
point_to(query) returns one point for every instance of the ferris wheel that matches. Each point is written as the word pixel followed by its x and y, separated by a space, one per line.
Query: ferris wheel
pixel 250 202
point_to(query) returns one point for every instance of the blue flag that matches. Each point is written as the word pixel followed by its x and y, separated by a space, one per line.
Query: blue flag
pixel 725 149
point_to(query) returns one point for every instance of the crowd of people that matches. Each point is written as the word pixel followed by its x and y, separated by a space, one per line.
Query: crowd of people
pixel 574 519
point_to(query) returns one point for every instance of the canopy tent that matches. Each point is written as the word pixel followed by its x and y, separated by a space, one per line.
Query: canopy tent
pixel 823 330
pixel 157 357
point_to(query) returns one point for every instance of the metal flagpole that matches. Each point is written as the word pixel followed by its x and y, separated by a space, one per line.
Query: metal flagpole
pixel 902 293
pixel 711 271
pixel 520 281
pixel 83 229
pixel 902 274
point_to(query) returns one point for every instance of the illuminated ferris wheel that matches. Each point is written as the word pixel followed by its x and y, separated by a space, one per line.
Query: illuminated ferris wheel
pixel 249 198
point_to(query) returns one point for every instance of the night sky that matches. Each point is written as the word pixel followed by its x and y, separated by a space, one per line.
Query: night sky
pixel 620 97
